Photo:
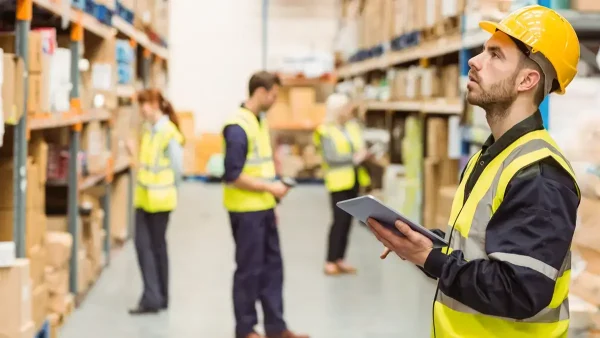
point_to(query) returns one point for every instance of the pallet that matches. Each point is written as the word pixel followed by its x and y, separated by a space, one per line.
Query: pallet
pixel 406 40
pixel 44 331
pixel 124 13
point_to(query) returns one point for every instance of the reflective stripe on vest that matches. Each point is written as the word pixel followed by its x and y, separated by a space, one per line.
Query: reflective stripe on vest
pixel 337 147
pixel 471 218
pixel 259 164
pixel 155 189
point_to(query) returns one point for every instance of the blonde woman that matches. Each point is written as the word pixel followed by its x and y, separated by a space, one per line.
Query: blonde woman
pixel 340 142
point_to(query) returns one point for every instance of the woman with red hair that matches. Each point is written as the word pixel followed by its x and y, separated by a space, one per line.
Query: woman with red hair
pixel 160 165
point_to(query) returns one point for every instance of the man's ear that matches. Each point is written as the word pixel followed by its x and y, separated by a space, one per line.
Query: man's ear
pixel 529 79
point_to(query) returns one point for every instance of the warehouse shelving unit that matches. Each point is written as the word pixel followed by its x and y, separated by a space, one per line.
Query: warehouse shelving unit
pixel 74 120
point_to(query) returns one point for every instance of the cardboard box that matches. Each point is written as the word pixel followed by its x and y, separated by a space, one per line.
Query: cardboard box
pixel 58 248
pixel 34 97
pixel 35 48
pixel 119 215
pixel 444 205
pixel 450 81
pixel 9 74
pixel 40 305
pixel 37 265
pixel 57 223
pixel 57 280
pixel 34 227
pixel 437 137
pixel 585 5
pixel 302 102
pixel 16 295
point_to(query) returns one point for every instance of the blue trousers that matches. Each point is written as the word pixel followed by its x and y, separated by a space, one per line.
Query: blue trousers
pixel 259 272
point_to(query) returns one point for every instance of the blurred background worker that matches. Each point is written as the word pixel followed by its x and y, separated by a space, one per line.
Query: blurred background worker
pixel 250 196
pixel 341 144
pixel 160 166
pixel 513 217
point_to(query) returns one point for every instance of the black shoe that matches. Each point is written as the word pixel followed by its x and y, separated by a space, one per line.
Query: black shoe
pixel 142 311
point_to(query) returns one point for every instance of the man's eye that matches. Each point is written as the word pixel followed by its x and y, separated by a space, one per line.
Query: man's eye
pixel 494 55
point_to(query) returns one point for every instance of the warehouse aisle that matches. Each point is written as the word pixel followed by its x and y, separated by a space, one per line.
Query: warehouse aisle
pixel 386 299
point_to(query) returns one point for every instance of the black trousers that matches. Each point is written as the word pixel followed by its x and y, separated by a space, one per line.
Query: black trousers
pixel 151 248
pixel 259 272
pixel 340 228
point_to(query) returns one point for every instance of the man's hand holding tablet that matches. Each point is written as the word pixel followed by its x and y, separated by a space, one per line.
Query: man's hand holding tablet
pixel 413 247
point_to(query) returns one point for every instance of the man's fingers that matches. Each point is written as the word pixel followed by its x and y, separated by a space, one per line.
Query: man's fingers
pixel 385 253
pixel 410 234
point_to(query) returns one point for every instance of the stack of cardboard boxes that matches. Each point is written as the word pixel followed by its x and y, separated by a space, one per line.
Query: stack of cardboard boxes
pixel 298 106
pixel 60 244
pixel 424 83
pixel 35 222
pixel 48 72
pixel 440 173
pixel 16 319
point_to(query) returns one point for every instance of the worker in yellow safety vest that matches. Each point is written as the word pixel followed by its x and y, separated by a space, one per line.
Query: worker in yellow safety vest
pixel 507 269
pixel 340 143
pixel 160 167
pixel 250 195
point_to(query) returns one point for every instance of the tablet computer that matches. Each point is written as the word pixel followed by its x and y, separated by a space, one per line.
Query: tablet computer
pixel 365 207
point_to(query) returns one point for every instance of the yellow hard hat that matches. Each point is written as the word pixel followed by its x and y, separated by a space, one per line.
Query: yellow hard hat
pixel 543 30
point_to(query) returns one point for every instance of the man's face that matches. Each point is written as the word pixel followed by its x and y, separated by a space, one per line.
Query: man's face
pixel 268 97
pixel 493 74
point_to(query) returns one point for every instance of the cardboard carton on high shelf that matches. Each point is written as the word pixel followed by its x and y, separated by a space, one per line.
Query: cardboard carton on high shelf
pixel 35 48
pixel 13 71
pixel 16 295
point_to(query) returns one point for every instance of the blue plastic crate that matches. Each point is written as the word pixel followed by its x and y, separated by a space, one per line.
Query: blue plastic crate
pixel 103 14
pixel 124 52
pixel 90 7
pixel 124 73
pixel 124 12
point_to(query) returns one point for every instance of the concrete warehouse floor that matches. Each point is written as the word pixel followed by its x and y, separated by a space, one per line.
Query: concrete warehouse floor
pixel 386 299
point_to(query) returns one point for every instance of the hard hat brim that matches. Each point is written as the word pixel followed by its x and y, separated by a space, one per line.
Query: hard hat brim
pixel 491 27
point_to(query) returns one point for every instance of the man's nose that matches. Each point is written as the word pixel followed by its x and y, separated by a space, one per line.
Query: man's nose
pixel 473 63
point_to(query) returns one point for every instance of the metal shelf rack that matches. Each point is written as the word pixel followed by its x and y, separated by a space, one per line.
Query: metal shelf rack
pixel 74 119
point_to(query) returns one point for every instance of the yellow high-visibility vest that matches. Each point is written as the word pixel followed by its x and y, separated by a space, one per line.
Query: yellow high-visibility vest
pixel 337 145
pixel 155 189
pixel 452 319
pixel 259 164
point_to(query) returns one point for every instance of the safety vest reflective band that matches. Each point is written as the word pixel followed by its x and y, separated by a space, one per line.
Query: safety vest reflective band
pixel 155 189
pixel 470 219
pixel 259 164
pixel 338 145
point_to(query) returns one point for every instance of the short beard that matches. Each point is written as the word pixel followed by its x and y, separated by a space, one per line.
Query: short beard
pixel 497 99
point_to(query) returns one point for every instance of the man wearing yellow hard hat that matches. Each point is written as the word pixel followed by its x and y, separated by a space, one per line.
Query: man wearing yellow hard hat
pixel 507 269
